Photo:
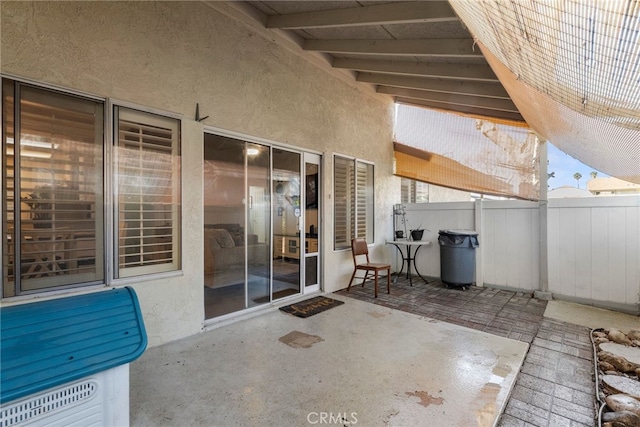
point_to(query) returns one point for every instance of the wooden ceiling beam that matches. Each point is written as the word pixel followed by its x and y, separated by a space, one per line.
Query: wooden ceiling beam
pixel 463 109
pixel 452 48
pixel 392 13
pixel 478 72
pixel 451 98
pixel 490 90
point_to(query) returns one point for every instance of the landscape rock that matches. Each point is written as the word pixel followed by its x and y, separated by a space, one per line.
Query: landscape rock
pixel 625 418
pixel 618 336
pixel 619 362
pixel 618 358
pixel 623 402
pixel 631 354
pixel 621 384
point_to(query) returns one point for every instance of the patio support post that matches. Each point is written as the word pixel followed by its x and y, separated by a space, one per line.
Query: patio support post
pixel 543 292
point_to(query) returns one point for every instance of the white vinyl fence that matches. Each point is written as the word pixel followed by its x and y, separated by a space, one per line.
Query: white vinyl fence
pixel 592 246
pixel 594 249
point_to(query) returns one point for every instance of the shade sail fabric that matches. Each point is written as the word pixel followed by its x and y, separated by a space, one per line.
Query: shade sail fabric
pixel 573 70
pixel 466 153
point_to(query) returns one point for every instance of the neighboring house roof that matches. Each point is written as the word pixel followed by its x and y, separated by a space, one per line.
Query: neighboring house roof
pixel 50 343
pixel 612 185
pixel 566 191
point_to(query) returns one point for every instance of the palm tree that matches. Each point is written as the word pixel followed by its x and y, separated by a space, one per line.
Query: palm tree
pixel 594 174
pixel 577 177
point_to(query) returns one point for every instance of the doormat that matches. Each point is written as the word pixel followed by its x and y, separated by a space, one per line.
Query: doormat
pixel 311 306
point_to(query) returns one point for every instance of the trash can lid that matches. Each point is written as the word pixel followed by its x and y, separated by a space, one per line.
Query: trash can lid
pixel 459 232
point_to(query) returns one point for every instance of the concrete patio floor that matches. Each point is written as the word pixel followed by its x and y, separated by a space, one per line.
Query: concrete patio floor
pixel 425 355
pixel 370 366
pixel 555 386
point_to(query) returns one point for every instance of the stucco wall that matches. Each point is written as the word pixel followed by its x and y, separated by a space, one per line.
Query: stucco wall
pixel 170 55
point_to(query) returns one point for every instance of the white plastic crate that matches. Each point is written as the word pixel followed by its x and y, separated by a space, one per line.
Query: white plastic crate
pixel 101 399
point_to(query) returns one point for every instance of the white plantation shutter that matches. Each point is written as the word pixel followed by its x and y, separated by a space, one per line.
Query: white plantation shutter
pixel 148 193
pixel 406 190
pixel 412 191
pixel 361 199
pixel 353 205
pixel 364 206
pixel 421 192
pixel 343 172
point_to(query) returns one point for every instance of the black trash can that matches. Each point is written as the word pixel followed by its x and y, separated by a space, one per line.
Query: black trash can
pixel 457 256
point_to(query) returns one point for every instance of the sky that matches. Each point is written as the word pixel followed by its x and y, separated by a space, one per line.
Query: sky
pixel 565 167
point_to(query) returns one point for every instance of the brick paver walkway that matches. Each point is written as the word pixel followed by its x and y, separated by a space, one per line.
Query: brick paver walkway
pixel 555 386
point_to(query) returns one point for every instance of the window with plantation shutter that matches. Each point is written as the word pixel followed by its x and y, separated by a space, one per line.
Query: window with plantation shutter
pixel 353 203
pixel 343 173
pixel 56 165
pixel 147 182
pixel 52 195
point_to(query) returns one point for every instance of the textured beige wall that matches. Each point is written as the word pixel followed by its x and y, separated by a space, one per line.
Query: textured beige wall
pixel 170 55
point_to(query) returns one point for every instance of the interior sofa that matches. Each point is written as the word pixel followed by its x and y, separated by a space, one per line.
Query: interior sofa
pixel 224 255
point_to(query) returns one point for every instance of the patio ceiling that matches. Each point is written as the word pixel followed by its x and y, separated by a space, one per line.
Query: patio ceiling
pixel 417 52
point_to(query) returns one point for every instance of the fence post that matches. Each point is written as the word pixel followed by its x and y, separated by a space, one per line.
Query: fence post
pixel 544 261
pixel 477 207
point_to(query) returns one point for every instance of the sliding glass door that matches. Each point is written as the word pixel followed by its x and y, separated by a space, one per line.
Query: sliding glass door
pixel 260 224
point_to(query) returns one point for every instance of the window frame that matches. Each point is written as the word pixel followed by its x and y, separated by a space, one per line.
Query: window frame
pixel 352 210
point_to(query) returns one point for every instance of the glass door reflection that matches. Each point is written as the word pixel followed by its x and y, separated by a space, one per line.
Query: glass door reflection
pixel 258 237
pixel 288 248
pixel 225 179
